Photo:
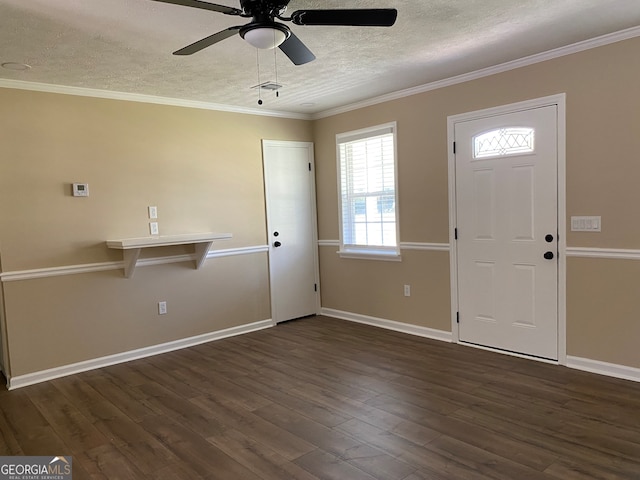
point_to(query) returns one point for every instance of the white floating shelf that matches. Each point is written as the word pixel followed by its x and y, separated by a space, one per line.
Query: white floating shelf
pixel 131 247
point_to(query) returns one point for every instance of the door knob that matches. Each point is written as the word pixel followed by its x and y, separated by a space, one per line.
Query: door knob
pixel 548 238
pixel 548 255
pixel 276 244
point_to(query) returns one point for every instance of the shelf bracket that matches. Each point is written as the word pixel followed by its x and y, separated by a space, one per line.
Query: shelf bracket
pixel 130 259
pixel 201 252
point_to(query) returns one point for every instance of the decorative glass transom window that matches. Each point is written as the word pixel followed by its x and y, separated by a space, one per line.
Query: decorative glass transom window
pixel 368 196
pixel 503 141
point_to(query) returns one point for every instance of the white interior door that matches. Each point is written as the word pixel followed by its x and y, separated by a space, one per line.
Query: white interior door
pixel 291 221
pixel 507 228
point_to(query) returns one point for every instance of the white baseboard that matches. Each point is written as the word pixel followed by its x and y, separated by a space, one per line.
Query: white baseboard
pixel 389 324
pixel 604 368
pixel 52 373
pixel 578 363
pixel 585 364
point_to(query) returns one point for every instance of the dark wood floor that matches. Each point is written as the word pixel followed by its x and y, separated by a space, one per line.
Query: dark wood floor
pixel 321 398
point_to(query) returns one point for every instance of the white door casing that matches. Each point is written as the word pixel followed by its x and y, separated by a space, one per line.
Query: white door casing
pixel 4 352
pixel 506 294
pixel 292 231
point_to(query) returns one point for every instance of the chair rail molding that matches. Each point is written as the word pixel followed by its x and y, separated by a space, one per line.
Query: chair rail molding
pixel 13 276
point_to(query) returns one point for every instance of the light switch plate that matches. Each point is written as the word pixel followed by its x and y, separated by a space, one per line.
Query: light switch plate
pixel 153 212
pixel 586 224
pixel 153 228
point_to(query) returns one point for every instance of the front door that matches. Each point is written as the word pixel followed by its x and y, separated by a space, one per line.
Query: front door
pixel 506 183
pixel 291 224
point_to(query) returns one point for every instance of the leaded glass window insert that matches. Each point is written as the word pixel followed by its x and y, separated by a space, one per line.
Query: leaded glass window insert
pixel 504 141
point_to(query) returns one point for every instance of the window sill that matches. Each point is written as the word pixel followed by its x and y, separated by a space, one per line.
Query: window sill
pixel 384 255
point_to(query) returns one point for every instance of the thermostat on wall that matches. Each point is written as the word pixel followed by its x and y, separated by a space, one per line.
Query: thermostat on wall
pixel 80 189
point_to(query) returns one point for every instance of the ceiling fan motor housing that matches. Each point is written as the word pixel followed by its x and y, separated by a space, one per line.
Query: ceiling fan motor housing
pixel 262 10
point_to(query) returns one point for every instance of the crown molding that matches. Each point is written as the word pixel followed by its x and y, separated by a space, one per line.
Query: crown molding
pixel 141 98
pixel 485 72
pixel 466 77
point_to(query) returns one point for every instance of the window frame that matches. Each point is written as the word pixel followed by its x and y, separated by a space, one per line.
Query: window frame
pixel 372 252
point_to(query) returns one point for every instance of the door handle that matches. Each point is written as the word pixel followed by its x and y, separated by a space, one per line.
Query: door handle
pixel 276 244
pixel 548 238
pixel 548 255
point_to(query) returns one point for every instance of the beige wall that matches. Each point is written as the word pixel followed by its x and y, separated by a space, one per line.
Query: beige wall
pixel 603 308
pixel 376 288
pixel 202 169
pixel 603 141
pixel 62 320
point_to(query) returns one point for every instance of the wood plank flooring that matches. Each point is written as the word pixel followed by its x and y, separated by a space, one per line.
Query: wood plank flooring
pixel 321 398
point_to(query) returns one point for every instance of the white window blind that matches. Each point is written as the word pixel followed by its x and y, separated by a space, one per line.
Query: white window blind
pixel 367 165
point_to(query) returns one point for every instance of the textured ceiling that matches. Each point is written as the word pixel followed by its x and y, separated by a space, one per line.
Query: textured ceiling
pixel 126 45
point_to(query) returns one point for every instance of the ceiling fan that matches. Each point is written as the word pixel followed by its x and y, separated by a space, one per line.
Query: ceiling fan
pixel 264 32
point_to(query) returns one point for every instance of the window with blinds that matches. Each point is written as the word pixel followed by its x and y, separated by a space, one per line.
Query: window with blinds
pixel 368 197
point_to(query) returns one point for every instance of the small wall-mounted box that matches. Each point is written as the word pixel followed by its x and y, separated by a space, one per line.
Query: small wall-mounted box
pixel 80 189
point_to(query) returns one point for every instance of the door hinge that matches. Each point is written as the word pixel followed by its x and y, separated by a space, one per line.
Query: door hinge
pixel 315 287
pixel 309 166
pixel 454 147
pixel 457 317
pixel 455 233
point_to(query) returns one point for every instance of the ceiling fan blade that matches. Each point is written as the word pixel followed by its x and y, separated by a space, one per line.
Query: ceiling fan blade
pixel 208 41
pixel 364 17
pixel 297 51
pixel 204 5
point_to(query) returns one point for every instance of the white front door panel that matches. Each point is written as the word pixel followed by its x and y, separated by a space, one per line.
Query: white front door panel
pixel 506 209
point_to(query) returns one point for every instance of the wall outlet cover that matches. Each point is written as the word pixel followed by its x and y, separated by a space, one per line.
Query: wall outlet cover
pixel 162 308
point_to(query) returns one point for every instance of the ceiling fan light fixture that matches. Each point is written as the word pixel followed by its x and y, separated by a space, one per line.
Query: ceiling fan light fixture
pixel 265 37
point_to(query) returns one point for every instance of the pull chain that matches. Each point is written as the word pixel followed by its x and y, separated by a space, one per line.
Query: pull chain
pixel 259 87
pixel 275 64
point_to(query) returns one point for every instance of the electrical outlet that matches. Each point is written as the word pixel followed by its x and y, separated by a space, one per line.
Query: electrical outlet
pixel 153 228
pixel 162 308
pixel 153 212
pixel 407 290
